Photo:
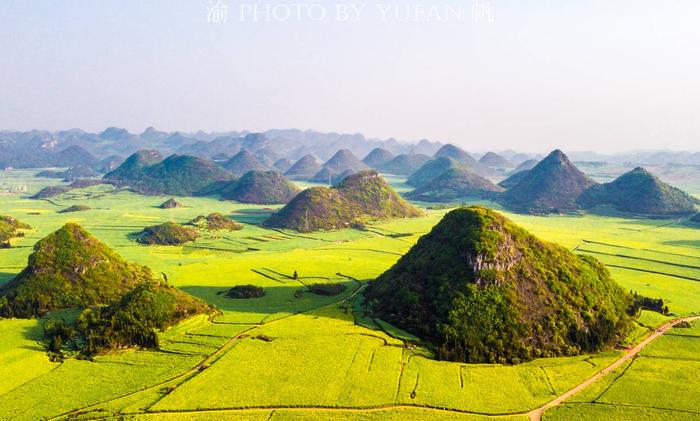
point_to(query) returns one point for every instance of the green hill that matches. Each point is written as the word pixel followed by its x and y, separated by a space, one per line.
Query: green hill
pixel 513 179
pixel 50 191
pixel 305 168
pixel 453 184
pixel 10 228
pixel 696 218
pixel 480 289
pixel 75 208
pixel 552 186
pixel 492 159
pixel 358 198
pixel 525 166
pixel 69 268
pixel 282 165
pixel 261 188
pixel 133 167
pixel 136 318
pixel 405 164
pixel 244 162
pixel 171 203
pixel 461 156
pixel 215 222
pixel 377 158
pixel 639 191
pixel 431 170
pixel 167 234
pixel 180 175
pixel 341 162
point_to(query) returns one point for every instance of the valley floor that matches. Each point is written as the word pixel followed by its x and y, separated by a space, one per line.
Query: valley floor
pixel 292 355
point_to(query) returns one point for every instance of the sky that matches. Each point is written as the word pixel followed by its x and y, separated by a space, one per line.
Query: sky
pixel 607 75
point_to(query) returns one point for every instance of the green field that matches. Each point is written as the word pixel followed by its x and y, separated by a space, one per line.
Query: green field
pixel 321 359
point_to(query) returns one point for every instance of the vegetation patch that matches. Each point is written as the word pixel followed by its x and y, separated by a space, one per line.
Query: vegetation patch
pixel 328 290
pixel 360 197
pixel 552 186
pixel 75 208
pixel 136 318
pixel 171 203
pixel 260 188
pixel 639 191
pixel 304 168
pixel 215 222
pixel 481 289
pixel 11 227
pixel 50 191
pixel 246 292
pixel 167 234
pixel 69 268
pixel 180 175
pixel 455 183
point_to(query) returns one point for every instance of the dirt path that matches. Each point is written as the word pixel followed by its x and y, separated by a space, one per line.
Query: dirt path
pixel 536 414
pixel 208 360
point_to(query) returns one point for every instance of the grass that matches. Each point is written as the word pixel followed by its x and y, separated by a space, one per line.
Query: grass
pixel 318 355
pixel 659 383
pixel 22 354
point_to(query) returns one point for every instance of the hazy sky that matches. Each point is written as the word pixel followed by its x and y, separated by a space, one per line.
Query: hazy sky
pixel 580 75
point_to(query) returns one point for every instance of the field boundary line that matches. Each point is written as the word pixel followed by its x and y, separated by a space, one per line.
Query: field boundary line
pixel 536 414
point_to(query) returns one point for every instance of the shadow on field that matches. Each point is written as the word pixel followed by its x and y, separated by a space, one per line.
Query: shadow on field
pixel 4 277
pixel 684 243
pixel 291 298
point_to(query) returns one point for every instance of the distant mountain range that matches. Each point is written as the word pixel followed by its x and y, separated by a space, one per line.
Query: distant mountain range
pixel 38 148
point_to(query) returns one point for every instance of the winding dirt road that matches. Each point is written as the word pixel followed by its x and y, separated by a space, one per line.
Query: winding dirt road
pixel 536 414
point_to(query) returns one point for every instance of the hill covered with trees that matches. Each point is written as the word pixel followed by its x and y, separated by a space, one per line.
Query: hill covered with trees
pixel 639 191
pixel 358 198
pixel 167 234
pixel 431 170
pixel 404 164
pixel 215 222
pixel 180 175
pixel 552 186
pixel 69 268
pixel 455 183
pixel 259 187
pixel 136 318
pixel 343 160
pixel 10 227
pixel 480 289
pixel 305 168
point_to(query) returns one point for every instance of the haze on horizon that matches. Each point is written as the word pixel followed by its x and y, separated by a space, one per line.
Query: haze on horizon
pixel 596 75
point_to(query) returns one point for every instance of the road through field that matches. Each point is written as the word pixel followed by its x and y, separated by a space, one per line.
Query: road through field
pixel 536 414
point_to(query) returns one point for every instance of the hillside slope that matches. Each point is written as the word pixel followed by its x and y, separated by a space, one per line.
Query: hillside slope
pixel 180 175
pixel 639 191
pixel 480 289
pixel 343 161
pixel 135 319
pixel 10 227
pixel 244 162
pixel 69 268
pixel 304 168
pixel 261 188
pixel 358 198
pixel 431 170
pixel 552 186
pixel 455 183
